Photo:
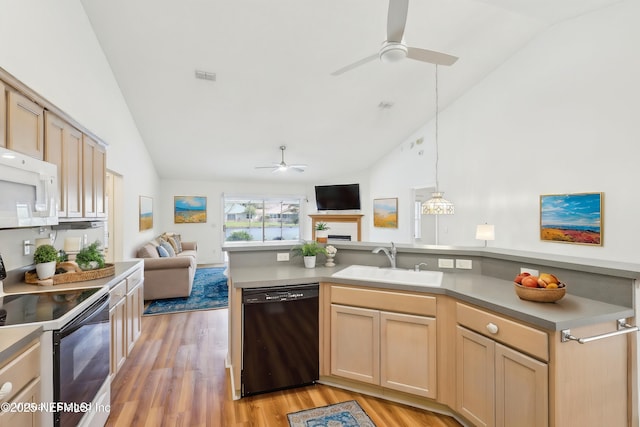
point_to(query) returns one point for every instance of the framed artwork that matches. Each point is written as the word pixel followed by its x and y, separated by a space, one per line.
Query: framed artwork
pixel 385 213
pixel 146 213
pixel 189 209
pixel 572 218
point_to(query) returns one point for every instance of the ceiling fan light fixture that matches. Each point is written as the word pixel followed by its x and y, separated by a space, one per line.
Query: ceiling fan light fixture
pixel 393 52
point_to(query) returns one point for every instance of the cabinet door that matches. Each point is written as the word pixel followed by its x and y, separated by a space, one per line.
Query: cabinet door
pixel 117 317
pixel 521 390
pixel 408 353
pixel 30 394
pixel 94 177
pixel 135 307
pixel 3 115
pixel 355 343
pixel 25 126
pixel 475 372
pixel 73 165
pixel 55 148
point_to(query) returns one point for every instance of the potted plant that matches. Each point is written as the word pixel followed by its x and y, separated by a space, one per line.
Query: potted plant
pixel 45 257
pixel 308 251
pixel 90 257
pixel 322 232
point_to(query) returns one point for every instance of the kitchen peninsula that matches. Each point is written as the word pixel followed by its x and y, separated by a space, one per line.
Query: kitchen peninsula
pixel 473 349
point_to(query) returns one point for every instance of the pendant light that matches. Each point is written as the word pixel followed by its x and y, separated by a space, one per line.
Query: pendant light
pixel 437 205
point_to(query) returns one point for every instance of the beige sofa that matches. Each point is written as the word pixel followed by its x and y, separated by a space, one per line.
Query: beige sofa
pixel 168 277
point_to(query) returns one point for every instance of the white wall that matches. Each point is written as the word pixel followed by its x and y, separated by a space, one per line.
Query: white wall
pixel 561 116
pixel 50 46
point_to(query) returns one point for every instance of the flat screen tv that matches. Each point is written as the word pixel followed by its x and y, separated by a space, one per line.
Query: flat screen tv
pixel 338 197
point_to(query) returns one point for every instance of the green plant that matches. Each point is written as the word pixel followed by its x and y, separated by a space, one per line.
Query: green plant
pixel 322 226
pixel 90 254
pixel 309 249
pixel 239 235
pixel 45 253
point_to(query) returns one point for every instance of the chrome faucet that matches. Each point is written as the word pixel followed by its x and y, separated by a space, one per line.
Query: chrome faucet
pixel 391 254
pixel 417 266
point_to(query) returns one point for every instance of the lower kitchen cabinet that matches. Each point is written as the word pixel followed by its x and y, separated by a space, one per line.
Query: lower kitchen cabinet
pixel 499 386
pixel 23 373
pixel 386 348
pixel 126 305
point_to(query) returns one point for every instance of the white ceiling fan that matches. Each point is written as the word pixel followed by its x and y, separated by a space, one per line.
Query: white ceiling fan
pixel 283 166
pixel 394 48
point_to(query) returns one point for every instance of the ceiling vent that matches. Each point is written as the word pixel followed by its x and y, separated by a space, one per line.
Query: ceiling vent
pixel 205 75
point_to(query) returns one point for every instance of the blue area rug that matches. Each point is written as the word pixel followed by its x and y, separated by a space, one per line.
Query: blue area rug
pixel 209 291
pixel 345 414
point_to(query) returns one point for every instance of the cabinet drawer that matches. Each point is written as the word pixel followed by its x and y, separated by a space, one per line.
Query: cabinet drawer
pixel 516 335
pixel 401 302
pixel 133 279
pixel 21 370
pixel 117 293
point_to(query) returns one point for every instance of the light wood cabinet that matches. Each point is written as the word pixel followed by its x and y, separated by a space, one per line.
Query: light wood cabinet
pixel 63 147
pixel 118 320
pixel 23 372
pixel 498 385
pixel 392 349
pixel 94 170
pixel 3 115
pixel 135 308
pixel 126 305
pixel 25 125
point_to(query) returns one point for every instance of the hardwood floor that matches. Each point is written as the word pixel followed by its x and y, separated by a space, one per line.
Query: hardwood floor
pixel 175 376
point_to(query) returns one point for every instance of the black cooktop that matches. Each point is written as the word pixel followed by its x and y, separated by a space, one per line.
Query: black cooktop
pixel 19 309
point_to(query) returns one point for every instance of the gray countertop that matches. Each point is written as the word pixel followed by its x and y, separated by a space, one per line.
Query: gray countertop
pixel 488 292
pixel 14 339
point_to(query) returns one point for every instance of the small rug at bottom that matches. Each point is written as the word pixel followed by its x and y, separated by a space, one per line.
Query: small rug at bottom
pixel 345 414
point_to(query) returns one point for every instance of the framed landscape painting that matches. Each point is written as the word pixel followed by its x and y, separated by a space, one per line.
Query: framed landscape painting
pixel 385 213
pixel 189 209
pixel 146 213
pixel 572 218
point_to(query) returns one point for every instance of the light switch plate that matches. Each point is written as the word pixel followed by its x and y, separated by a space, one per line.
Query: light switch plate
pixel 464 264
pixel 445 263
pixel 282 256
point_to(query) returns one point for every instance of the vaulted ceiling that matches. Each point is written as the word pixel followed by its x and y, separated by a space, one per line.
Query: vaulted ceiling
pixel 273 84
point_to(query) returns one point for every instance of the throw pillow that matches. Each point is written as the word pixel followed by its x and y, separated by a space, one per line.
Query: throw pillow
pixel 162 252
pixel 178 240
pixel 174 245
pixel 168 248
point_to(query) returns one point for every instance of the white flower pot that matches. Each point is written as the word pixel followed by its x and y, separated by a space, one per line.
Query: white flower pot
pixel 46 270
pixel 310 262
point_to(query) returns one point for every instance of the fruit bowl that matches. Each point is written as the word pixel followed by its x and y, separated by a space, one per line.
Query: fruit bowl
pixel 540 294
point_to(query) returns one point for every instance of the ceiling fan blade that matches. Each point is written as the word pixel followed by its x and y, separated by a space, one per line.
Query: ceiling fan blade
pixel 396 20
pixel 430 56
pixel 274 166
pixel 355 64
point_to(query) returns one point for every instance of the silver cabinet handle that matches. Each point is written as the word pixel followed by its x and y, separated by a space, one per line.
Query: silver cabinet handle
pixel 492 328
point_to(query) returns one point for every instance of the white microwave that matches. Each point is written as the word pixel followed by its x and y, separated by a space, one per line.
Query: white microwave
pixel 28 191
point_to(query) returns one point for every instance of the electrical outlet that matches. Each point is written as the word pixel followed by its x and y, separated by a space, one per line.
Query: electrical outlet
pixel 531 271
pixel 465 264
pixel 26 247
pixel 445 263
pixel 282 256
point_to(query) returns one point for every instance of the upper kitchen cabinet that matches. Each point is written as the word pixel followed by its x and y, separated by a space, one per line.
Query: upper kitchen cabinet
pixel 63 147
pixel 25 125
pixel 94 169
pixel 3 115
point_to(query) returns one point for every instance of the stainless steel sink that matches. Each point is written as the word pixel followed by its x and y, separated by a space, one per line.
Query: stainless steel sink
pixel 388 275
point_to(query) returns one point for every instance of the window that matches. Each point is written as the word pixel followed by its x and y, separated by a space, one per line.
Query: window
pixel 261 219
pixel 417 220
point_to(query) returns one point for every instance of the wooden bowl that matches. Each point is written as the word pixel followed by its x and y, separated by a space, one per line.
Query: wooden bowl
pixel 540 294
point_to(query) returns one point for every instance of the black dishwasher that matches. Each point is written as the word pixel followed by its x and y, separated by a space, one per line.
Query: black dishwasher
pixel 280 341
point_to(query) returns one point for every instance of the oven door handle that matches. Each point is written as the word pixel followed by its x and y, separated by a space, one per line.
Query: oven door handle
pixel 86 316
